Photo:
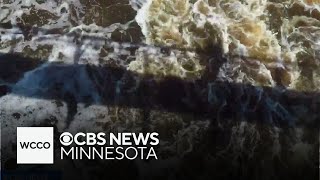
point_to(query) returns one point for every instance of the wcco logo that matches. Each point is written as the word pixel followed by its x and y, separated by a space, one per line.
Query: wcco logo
pixel 34 145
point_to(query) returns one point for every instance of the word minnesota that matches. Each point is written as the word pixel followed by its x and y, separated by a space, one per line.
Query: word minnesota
pixel 96 146
pixel 109 153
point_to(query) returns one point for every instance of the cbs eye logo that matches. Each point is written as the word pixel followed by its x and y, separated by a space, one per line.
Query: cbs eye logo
pixel 81 139
pixel 66 139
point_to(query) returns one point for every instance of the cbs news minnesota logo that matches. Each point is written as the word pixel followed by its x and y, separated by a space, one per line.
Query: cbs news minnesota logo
pixel 34 145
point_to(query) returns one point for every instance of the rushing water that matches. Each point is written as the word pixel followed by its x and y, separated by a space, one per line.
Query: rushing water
pixel 278 41
pixel 268 51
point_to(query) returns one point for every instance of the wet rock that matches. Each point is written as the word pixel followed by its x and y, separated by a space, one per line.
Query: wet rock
pixel 16 115
pixel 13 66
pixel 4 90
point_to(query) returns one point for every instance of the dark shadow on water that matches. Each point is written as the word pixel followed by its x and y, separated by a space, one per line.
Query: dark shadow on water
pixel 114 86
pixel 205 98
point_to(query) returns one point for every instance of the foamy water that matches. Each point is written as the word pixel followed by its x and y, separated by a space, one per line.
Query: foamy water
pixel 262 43
pixel 278 42
pixel 272 36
